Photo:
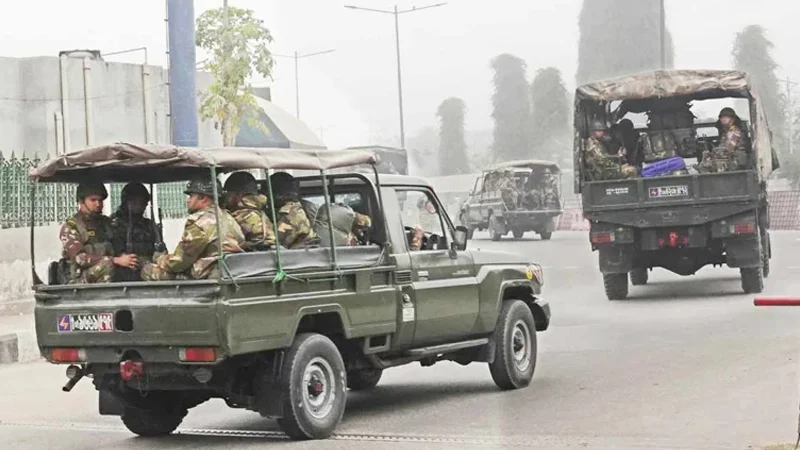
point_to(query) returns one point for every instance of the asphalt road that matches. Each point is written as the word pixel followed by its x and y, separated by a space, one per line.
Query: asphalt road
pixel 684 363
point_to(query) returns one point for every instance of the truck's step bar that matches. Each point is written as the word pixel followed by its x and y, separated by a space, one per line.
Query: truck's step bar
pixel 446 348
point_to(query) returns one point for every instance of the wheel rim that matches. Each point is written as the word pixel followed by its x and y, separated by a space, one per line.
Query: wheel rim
pixel 318 388
pixel 521 346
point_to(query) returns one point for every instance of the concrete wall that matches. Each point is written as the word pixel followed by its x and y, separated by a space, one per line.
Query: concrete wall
pixel 30 96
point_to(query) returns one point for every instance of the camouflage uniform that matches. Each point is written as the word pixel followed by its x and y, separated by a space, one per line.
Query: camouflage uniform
pixel 196 255
pixel 550 190
pixel 730 155
pixel 294 228
pixel 602 166
pixel 256 226
pixel 86 244
pixel 508 191
pixel 360 232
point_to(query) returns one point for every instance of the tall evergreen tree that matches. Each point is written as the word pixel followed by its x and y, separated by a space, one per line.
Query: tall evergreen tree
pixel 550 116
pixel 511 109
pixel 452 147
pixel 620 37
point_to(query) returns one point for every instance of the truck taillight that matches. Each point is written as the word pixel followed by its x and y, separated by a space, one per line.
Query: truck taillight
pixel 129 370
pixel 197 354
pixel 744 228
pixel 67 355
pixel 602 238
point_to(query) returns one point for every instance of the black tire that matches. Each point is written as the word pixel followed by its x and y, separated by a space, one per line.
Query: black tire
pixel 314 355
pixel 766 253
pixel 639 277
pixel 546 235
pixel 616 285
pixel 515 346
pixel 152 423
pixel 362 380
pixel 752 279
pixel 518 234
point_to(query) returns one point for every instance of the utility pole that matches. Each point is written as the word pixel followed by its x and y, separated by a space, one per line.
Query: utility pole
pixel 663 26
pixel 789 118
pixel 296 58
pixel 396 13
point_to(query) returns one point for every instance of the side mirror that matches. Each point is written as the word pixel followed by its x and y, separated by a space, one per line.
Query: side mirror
pixel 460 238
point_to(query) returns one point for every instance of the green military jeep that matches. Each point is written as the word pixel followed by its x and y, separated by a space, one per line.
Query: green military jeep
pixel 283 332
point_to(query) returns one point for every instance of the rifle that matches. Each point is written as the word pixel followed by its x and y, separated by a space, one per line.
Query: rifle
pixel 129 240
pixel 158 230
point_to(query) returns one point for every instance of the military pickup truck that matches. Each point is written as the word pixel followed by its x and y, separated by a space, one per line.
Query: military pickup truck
pixel 673 215
pixel 284 332
pixel 535 206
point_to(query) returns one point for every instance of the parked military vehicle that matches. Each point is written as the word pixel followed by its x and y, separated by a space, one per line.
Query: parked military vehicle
pixel 681 219
pixel 284 332
pixel 531 202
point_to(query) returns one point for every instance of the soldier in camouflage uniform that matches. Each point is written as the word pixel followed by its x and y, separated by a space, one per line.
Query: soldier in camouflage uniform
pixel 86 240
pixel 129 221
pixel 247 206
pixel 731 154
pixel 195 257
pixel 508 189
pixel 600 165
pixel 551 194
pixel 294 227
pixel 429 222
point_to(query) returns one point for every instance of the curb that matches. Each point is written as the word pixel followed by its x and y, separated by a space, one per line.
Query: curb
pixel 18 347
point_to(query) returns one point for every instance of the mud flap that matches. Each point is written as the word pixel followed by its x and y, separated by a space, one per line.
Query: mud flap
pixel 269 397
pixel 110 403
pixel 743 252
pixel 615 258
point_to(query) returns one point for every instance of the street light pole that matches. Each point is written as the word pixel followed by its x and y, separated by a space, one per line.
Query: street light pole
pixel 396 13
pixel 663 26
pixel 296 58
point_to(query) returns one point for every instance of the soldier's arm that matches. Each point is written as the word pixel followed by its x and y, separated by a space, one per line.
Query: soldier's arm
pixel 73 247
pixel 192 244
pixel 733 139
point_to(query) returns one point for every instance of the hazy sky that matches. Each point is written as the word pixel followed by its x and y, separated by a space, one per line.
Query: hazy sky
pixel 350 96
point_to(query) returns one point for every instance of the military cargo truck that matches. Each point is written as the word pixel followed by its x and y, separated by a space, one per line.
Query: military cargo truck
pixel 284 332
pixel 682 219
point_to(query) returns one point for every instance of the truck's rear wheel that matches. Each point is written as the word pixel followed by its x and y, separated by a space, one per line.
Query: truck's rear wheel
pixel 314 388
pixel 518 233
pixel 151 423
pixel 546 235
pixel 752 279
pixel 639 277
pixel 362 380
pixel 515 346
pixel 616 285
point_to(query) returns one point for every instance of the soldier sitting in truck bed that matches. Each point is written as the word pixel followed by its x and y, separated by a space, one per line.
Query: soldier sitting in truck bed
pixel 295 227
pixel 731 154
pixel 132 232
pixel 247 206
pixel 600 165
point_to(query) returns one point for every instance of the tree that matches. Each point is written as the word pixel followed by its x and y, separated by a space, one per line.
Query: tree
pixel 452 147
pixel 620 37
pixel 236 42
pixel 550 116
pixel 511 109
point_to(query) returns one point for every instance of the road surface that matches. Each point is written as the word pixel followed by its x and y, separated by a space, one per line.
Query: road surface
pixel 684 363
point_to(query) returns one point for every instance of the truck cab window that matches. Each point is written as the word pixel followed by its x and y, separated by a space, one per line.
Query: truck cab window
pixel 422 221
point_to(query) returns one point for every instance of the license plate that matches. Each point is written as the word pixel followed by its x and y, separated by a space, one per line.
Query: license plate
pixel 90 323
pixel 669 191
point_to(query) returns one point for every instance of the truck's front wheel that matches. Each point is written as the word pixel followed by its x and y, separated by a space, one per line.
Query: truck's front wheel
pixel 616 285
pixel 314 388
pixel 752 279
pixel 515 346
pixel 152 422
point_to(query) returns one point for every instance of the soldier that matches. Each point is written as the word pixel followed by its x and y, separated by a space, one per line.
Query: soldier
pixel 508 191
pixel 551 193
pixel 247 206
pixel 731 154
pixel 132 232
pixel 628 138
pixel 599 164
pixel 195 257
pixel 429 222
pixel 86 240
pixel 294 226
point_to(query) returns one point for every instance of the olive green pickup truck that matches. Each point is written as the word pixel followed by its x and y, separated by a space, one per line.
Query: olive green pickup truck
pixel 284 332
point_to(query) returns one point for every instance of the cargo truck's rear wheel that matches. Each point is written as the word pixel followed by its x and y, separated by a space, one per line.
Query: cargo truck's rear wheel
pixel 752 279
pixel 546 235
pixel 518 233
pixel 639 277
pixel 515 346
pixel 616 285
pixel 314 388
pixel 154 415
pixel 362 380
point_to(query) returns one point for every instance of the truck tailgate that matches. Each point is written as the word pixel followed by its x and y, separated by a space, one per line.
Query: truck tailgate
pixel 138 315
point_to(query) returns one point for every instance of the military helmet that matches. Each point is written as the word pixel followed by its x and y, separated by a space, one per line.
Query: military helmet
pixel 625 124
pixel 202 185
pixel 86 189
pixel 728 111
pixel 282 183
pixel 241 182
pixel 135 190
pixel 598 125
